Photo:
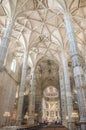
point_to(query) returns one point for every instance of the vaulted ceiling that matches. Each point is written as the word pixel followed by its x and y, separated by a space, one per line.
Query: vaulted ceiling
pixel 39 28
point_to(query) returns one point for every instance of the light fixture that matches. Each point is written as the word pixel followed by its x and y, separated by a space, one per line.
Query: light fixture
pixel 66 117
pixel 75 115
pixel 6 114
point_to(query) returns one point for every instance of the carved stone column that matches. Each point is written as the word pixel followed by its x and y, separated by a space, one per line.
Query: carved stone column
pixel 5 41
pixel 68 91
pixel 44 106
pixel 63 97
pixel 79 76
pixel 40 110
pixel 32 98
pixel 22 89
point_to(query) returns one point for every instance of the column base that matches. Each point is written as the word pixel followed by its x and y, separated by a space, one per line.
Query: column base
pixel 83 125
pixel 18 123
pixel 31 121
pixel 71 126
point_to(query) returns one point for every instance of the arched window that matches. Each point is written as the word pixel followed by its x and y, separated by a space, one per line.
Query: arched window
pixel 13 65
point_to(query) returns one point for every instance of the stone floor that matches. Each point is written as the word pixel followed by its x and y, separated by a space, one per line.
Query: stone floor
pixel 9 128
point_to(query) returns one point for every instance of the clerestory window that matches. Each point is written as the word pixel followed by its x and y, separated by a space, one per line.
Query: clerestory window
pixel 13 65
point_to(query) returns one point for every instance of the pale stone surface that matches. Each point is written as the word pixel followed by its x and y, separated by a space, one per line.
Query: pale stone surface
pixel 40 27
pixel 63 97
pixel 31 108
pixel 7 95
pixel 22 89
pixel 68 91
pixel 5 42
pixel 77 68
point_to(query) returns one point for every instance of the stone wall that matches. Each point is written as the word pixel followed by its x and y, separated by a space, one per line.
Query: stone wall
pixel 7 95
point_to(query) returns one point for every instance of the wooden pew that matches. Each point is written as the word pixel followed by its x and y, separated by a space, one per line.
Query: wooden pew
pixel 31 127
pixel 54 127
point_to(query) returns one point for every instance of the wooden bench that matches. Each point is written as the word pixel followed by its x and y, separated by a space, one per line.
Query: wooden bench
pixel 54 127
pixel 32 127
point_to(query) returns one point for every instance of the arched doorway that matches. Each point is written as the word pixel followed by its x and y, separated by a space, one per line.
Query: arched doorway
pixel 47 79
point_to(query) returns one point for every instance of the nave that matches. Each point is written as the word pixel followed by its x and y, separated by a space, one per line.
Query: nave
pixel 43 63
